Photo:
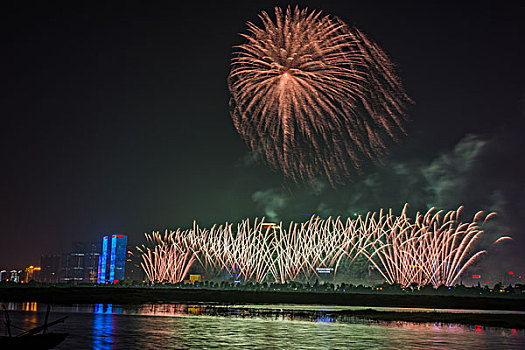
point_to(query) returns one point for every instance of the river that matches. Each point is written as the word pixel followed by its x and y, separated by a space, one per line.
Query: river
pixel 177 326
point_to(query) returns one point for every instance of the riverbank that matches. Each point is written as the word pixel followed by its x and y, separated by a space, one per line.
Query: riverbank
pixel 141 295
pixel 513 321
pixel 478 319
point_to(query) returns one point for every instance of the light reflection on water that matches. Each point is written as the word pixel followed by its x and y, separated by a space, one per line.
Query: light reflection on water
pixel 103 325
pixel 176 326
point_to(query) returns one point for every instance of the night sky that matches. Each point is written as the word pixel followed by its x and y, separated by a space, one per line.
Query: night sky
pixel 115 119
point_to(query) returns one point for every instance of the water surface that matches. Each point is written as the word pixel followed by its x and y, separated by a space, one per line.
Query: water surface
pixel 177 326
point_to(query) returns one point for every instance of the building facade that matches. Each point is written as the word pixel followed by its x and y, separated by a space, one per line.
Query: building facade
pixel 4 275
pixel 51 264
pixel 81 265
pixel 31 273
pixel 134 271
pixel 112 260
pixel 14 276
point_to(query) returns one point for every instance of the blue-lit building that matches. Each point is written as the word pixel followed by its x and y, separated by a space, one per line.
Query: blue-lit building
pixel 112 260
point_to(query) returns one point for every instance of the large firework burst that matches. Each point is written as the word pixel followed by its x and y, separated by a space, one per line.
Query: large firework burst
pixel 313 96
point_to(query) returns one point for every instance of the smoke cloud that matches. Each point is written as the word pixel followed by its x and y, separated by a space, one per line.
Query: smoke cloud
pixel 475 173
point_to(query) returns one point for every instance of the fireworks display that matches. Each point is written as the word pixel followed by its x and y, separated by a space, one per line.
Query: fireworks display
pixel 435 248
pixel 168 258
pixel 313 96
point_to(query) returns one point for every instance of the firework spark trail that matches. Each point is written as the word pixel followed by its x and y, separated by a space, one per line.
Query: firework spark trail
pixel 313 96
pixel 168 258
pixel 432 250
pixel 435 248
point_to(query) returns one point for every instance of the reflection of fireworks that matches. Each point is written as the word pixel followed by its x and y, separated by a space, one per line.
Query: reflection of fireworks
pixel 434 249
pixel 310 93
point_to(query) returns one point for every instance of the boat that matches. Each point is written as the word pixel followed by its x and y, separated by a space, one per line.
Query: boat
pixel 35 338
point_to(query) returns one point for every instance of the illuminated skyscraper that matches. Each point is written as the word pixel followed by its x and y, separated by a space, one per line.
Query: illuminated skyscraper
pixel 118 257
pixel 112 260
pixel 103 260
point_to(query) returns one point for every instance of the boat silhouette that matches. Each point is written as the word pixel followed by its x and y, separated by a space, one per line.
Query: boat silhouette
pixel 35 338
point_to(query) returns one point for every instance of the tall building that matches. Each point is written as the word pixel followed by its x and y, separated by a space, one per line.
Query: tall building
pixel 51 264
pixel 103 260
pixel 112 260
pixel 134 271
pixel 81 265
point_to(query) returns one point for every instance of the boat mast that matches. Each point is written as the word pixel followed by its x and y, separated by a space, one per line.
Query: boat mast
pixel 7 321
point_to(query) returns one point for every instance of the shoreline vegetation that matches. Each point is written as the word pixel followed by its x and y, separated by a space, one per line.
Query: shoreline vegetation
pixel 220 299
